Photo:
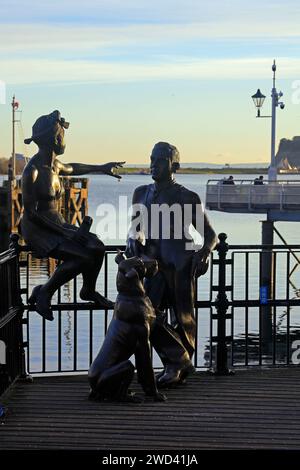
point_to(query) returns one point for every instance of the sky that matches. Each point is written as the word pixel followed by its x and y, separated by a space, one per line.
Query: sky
pixel 130 73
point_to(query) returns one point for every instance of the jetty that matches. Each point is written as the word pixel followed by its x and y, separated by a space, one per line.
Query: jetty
pixel 279 199
pixel 73 205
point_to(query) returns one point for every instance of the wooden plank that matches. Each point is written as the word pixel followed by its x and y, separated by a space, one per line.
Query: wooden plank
pixel 253 409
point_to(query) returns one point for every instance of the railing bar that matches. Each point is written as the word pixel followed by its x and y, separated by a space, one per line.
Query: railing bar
pixel 211 277
pixel 232 308
pixel 288 262
pixel 196 338
pixel 246 308
pixel 28 342
pixel 197 323
pixel 263 247
pixel 260 315
pixel 232 336
pixel 75 289
pixel 43 344
pixel 210 338
pixel 27 276
pixel 91 337
pixel 59 351
pixel 200 304
pixel 59 295
pixel 105 291
pixel 274 308
pixel 75 341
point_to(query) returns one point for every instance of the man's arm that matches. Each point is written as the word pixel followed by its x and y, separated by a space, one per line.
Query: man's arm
pixel 136 231
pixel 210 236
pixel 210 239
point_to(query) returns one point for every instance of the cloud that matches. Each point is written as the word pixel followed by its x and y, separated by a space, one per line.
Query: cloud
pixel 44 38
pixel 75 72
pixel 128 40
pixel 156 11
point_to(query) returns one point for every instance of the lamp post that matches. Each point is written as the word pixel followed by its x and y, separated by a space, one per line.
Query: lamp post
pixel 12 170
pixel 258 99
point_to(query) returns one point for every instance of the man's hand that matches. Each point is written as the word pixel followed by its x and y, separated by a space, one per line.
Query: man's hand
pixel 134 248
pixel 201 262
pixel 108 168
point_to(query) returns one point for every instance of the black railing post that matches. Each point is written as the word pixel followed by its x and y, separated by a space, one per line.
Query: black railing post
pixel 222 305
pixel 14 245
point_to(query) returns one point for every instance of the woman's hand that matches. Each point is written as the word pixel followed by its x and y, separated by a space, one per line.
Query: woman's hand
pixel 108 168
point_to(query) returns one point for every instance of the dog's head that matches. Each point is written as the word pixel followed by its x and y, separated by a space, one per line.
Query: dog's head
pixel 133 270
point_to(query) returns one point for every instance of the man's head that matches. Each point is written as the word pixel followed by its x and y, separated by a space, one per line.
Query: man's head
pixel 48 131
pixel 164 161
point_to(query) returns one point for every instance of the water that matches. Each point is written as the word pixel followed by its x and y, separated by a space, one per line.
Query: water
pixel 240 228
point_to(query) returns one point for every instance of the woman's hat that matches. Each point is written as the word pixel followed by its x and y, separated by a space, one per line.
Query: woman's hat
pixel 46 123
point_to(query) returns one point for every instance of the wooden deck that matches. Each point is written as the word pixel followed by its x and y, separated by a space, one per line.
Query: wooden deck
pixel 253 409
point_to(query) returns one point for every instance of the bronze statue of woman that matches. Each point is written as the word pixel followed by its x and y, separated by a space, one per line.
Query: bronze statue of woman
pixel 43 227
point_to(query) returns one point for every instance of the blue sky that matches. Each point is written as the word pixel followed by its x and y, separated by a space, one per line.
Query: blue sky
pixel 130 73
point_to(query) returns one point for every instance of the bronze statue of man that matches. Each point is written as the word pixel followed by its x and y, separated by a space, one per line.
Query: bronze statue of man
pixel 43 227
pixel 173 286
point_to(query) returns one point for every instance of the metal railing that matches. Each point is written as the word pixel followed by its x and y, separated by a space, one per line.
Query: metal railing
pixel 244 194
pixel 243 319
pixel 12 364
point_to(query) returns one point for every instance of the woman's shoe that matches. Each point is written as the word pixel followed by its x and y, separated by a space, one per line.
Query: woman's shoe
pixel 34 294
pixel 42 306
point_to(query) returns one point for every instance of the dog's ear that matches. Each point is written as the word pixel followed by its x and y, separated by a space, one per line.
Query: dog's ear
pixel 131 273
pixel 119 257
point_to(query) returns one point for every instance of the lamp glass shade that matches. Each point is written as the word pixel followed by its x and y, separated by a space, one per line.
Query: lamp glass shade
pixel 258 99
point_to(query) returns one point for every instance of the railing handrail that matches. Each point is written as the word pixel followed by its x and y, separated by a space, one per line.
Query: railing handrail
pixel 263 247
pixel 251 181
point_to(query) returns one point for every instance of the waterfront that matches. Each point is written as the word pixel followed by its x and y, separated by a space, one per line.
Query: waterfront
pixel 240 228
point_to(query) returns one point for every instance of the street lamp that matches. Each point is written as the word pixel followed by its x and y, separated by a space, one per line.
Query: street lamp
pixel 258 99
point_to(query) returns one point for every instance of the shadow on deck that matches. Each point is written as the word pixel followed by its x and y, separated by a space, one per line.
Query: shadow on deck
pixel 253 409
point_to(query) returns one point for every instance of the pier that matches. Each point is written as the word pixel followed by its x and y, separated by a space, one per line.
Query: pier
pixel 279 199
pixel 256 407
pixel 73 205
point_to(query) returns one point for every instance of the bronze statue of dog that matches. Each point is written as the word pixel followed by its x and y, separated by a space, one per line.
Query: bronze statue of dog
pixel 111 372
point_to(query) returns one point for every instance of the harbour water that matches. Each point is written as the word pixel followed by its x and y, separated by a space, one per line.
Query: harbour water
pixel 240 228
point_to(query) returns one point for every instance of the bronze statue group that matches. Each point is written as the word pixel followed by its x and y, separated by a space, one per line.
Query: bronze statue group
pixel 153 277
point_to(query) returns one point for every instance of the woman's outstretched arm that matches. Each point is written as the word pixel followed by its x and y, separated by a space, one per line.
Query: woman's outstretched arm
pixel 78 169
